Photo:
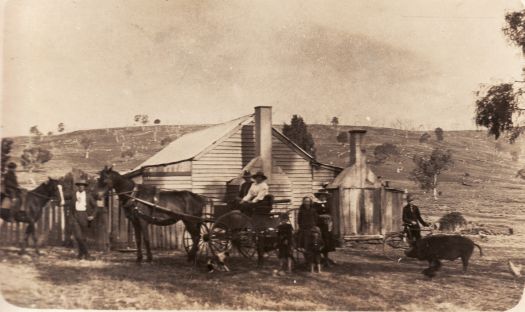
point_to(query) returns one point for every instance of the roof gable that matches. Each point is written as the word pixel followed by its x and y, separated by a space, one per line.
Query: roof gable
pixel 194 144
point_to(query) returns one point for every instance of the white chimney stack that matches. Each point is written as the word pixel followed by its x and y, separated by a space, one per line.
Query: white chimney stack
pixel 357 147
pixel 263 137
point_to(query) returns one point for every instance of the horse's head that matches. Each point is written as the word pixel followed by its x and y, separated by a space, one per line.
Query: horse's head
pixel 105 181
pixel 53 189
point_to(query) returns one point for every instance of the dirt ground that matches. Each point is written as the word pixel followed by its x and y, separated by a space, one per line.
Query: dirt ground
pixel 363 279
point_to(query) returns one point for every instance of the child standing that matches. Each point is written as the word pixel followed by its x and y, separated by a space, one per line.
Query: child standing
pixel 285 243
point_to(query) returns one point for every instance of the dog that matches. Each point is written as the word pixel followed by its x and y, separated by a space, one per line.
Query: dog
pixel 217 262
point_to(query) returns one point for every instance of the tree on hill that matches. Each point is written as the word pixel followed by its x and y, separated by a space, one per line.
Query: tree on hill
pixel 7 145
pixel 155 129
pixel 61 127
pixel 335 122
pixel 127 154
pixel 50 133
pixel 144 120
pixel 86 143
pixel 497 106
pixel 33 157
pixel 297 131
pixel 342 137
pixel 429 168
pixel 34 131
pixel 384 151
pixel 166 141
pixel 439 133
pixel 424 138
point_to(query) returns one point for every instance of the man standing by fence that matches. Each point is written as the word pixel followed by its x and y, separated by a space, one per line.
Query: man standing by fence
pixel 83 212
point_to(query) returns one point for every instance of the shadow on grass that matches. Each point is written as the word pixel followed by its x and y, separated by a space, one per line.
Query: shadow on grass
pixel 362 279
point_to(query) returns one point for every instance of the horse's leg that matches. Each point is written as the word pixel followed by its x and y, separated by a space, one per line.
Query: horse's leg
pixel 24 243
pixel 145 235
pixel 138 238
pixel 35 239
pixel 194 230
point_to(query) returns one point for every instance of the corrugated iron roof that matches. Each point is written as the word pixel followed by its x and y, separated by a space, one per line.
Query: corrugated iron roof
pixel 192 144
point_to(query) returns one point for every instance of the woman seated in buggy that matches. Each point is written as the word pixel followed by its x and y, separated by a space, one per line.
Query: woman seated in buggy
pixel 257 200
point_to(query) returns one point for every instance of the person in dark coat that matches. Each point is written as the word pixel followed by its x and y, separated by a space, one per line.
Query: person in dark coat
pixel 412 218
pixel 12 189
pixel 84 210
pixel 245 186
pixel 325 224
pixel 307 220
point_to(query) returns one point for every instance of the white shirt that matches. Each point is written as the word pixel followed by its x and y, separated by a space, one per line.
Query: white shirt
pixel 81 204
pixel 257 192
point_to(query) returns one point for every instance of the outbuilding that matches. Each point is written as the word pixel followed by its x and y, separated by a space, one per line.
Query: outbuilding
pixel 363 206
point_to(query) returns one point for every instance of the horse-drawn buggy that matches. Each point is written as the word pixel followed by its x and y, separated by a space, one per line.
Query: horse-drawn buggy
pixel 224 230
pixel 210 230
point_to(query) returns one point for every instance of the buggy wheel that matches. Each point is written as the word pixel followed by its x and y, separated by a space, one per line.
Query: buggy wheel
pixel 245 241
pixel 219 238
pixel 187 240
pixel 394 246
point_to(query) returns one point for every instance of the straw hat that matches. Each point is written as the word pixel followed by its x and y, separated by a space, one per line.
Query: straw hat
pixel 322 192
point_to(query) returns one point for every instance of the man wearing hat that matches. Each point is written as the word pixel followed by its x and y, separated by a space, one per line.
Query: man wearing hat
pixel 412 218
pixel 83 212
pixel 257 192
pixel 12 189
pixel 324 222
pixel 246 185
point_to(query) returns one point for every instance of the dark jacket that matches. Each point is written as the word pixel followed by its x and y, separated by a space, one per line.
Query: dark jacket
pixel 245 187
pixel 307 218
pixel 285 243
pixel 322 208
pixel 91 204
pixel 411 213
pixel 12 188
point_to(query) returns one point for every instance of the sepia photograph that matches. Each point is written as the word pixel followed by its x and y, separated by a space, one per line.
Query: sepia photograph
pixel 276 155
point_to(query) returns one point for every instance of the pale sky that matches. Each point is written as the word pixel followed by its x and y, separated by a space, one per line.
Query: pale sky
pixel 97 63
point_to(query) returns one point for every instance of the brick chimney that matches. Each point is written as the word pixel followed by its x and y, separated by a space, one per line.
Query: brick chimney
pixel 357 147
pixel 263 137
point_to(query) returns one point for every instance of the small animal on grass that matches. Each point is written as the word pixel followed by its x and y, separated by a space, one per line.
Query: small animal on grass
pixel 314 247
pixel 217 262
pixel 285 243
pixel 442 247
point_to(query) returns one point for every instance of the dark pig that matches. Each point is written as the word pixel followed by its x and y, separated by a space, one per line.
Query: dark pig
pixel 442 247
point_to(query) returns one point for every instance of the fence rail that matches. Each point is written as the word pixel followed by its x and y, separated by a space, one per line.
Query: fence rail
pixel 110 230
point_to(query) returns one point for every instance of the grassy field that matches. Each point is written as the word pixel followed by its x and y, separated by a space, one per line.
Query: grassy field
pixel 363 280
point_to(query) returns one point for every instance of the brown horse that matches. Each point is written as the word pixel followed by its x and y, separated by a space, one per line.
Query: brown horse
pixel 186 205
pixel 35 201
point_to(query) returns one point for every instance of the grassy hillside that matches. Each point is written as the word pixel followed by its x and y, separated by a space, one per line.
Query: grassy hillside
pixel 107 148
pixel 494 187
